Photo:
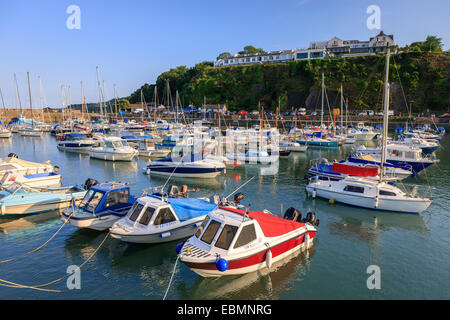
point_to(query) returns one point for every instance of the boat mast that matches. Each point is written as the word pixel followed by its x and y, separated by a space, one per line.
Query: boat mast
pixel 115 101
pixel 40 97
pixel 31 105
pixel 385 116
pixel 323 92
pixel 342 112
pixel 99 93
pixel 82 114
pixel 17 97
pixel 4 109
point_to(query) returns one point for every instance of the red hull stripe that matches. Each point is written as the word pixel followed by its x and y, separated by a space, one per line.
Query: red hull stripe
pixel 256 258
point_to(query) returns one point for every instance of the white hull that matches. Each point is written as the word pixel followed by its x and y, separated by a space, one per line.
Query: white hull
pixel 33 208
pixel 184 175
pixel 399 205
pixel 184 230
pixel 263 265
pixel 84 150
pixel 112 156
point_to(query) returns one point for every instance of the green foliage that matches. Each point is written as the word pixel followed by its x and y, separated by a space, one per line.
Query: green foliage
pixel 223 55
pixel 251 50
pixel 431 44
pixel 423 76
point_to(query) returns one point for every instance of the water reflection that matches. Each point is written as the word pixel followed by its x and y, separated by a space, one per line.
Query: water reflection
pixel 19 223
pixel 261 284
pixel 361 224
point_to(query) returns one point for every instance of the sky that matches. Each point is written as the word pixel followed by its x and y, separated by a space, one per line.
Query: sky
pixel 132 41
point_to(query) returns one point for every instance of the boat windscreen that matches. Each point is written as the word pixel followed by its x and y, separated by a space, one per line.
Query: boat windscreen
pixel 86 198
pixel 226 236
pixel 210 231
pixel 135 211
pixel 202 226
pixel 94 201
pixel 147 216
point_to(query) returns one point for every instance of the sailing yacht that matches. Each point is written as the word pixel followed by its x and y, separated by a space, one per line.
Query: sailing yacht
pixel 361 192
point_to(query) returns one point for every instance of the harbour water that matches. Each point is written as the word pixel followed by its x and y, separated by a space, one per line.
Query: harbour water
pixel 412 251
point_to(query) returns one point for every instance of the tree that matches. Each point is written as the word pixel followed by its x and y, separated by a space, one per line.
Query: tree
pixel 251 50
pixel 431 44
pixel 223 55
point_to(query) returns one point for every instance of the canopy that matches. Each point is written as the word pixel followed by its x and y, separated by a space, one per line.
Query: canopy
pixel 271 225
pixel 355 170
pixel 189 208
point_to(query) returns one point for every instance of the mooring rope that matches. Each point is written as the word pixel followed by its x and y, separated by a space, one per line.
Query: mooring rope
pixel 171 277
pixel 6 283
pixel 42 245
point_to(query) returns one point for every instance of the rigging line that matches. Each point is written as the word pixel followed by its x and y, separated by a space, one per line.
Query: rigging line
pixel 401 86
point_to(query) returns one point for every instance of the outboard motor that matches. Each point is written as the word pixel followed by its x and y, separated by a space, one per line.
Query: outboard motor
pixel 13 155
pixel 238 197
pixel 89 183
pixel 293 214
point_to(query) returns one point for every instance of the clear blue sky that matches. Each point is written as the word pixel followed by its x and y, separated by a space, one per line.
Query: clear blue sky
pixel 133 41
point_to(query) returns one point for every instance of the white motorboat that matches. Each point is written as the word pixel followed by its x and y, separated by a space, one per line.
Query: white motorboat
pixel 156 219
pixel 113 149
pixel 233 241
pixel 103 204
pixel 76 142
pixel 5 133
pixel 189 166
pixel 369 194
pixel 148 149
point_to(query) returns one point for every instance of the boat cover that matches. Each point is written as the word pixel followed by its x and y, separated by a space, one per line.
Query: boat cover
pixel 271 225
pixel 189 208
pixel 355 170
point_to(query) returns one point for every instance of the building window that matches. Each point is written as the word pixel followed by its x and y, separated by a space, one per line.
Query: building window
pixel 302 55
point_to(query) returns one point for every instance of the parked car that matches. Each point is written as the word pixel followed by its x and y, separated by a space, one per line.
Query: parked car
pixel 445 115
pixel 366 113
pixel 242 112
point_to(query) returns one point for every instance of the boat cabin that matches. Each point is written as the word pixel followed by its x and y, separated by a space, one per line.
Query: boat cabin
pixel 107 196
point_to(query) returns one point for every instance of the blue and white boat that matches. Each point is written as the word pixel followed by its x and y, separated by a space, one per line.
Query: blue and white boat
pixel 400 155
pixel 157 219
pixel 189 166
pixel 76 142
pixel 18 199
pixel 328 171
pixel 413 139
pixel 102 205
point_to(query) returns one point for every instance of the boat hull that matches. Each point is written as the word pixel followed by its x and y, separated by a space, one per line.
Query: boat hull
pixel 36 208
pixel 256 261
pixel 112 156
pixel 165 235
pixel 397 205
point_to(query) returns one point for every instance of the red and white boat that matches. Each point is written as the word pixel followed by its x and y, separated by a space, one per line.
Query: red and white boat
pixel 234 241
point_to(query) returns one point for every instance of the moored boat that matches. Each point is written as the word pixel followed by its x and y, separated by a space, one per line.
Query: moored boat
pixel 233 241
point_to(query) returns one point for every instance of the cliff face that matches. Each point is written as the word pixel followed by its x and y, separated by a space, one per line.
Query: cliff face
pixel 420 79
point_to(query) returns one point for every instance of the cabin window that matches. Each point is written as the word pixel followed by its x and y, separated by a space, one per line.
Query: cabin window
pixel 387 193
pixel 86 198
pixel 109 144
pixel 247 235
pixel 202 226
pixel 145 219
pixel 356 189
pixel 226 236
pixel 409 155
pixel 115 198
pixel 165 215
pixel 395 153
pixel 92 204
pixel 210 231
pixel 135 211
